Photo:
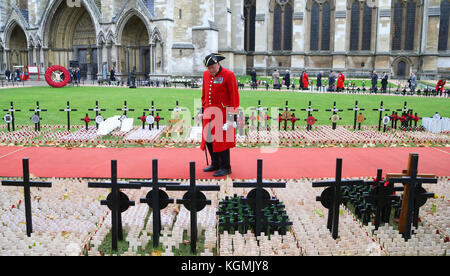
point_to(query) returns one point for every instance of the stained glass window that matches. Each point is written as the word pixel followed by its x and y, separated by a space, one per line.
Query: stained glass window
pixel 277 28
pixel 367 28
pixel 444 25
pixel 410 23
pixel 398 19
pixel 287 43
pixel 314 39
pixel 326 18
pixel 354 27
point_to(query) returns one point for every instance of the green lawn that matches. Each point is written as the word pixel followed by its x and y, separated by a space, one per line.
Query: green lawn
pixel 112 98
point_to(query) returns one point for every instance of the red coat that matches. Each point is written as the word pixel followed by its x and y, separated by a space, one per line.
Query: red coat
pixel 340 81
pixel 219 93
pixel 305 80
pixel 440 83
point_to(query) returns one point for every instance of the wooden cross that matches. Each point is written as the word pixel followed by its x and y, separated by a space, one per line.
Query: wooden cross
pixel 356 109
pixel 177 109
pixel 86 120
pixel 286 114
pixel 117 202
pixel 125 109
pixel 258 111
pixel 12 110
pixel 68 110
pixel 259 198
pixel 309 109
pixel 152 110
pixel 37 111
pixel 381 197
pixel 381 110
pixel 332 197
pixel 335 110
pixel 404 109
pixel 97 110
pixel 26 184
pixel 156 199
pixel 411 180
pixel 194 200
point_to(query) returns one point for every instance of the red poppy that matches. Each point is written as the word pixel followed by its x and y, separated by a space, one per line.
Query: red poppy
pixel 143 118
pixel 86 119
pixel 403 118
pixel 157 118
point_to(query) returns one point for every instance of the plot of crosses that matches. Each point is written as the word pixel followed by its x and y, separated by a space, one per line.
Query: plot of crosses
pixel 117 202
pixel 97 112
pixel 68 110
pixel 152 110
pixel 36 118
pixel 194 200
pixel 26 184
pixel 259 198
pixel 11 111
pixel 310 120
pixel 125 108
pixel 414 196
pixel 258 113
pixel 286 115
pixel 332 197
pixel 356 109
pixel 381 109
pixel 334 117
pixel 157 199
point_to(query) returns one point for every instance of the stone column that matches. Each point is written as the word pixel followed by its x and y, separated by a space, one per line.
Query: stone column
pixel 100 60
pixel 430 39
pixel 261 38
pixel 2 66
pixel 237 37
pixel 338 41
pixel 108 55
pixel 383 38
pixel 298 34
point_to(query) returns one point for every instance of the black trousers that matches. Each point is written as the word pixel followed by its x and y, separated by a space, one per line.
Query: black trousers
pixel 221 159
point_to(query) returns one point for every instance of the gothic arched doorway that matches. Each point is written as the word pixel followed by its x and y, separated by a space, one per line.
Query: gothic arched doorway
pixel 135 50
pixel 18 50
pixel 71 36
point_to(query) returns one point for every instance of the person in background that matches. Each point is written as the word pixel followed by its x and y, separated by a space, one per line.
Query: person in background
pixel 413 82
pixel 112 74
pixel 319 80
pixel 304 82
pixel 340 82
pixel 440 87
pixel 8 75
pixel 384 82
pixel 276 79
pixel 331 80
pixel 374 81
pixel 287 79
pixel 254 84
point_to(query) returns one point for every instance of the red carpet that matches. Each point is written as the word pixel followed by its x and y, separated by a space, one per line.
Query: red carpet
pixel 174 162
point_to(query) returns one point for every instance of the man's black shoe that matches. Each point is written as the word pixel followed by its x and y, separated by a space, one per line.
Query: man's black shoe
pixel 222 172
pixel 210 169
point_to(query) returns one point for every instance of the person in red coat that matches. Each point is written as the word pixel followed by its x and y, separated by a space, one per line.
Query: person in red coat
pixel 220 103
pixel 340 82
pixel 304 80
pixel 440 87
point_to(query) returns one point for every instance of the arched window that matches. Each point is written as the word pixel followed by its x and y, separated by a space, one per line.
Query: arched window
pixel 444 26
pixel 282 25
pixel 404 28
pixel 354 26
pixel 320 25
pixel 314 41
pixel 249 27
pixel 326 24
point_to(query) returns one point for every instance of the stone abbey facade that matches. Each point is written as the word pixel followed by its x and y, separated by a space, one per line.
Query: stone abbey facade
pixel 170 38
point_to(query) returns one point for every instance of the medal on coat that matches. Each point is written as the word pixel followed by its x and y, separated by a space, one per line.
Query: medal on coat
pixel 218 80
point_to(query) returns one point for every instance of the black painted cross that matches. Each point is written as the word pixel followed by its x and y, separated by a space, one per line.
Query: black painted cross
pixel 117 202
pixel 381 109
pixel 12 110
pixel 356 109
pixel 194 200
pixel 26 184
pixel 309 109
pixel 37 115
pixel 381 197
pixel 125 108
pixel 331 197
pixel 335 117
pixel 415 198
pixel 156 199
pixel 143 119
pixel 286 114
pixel 97 110
pixel 152 110
pixel 259 198
pixel 68 110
